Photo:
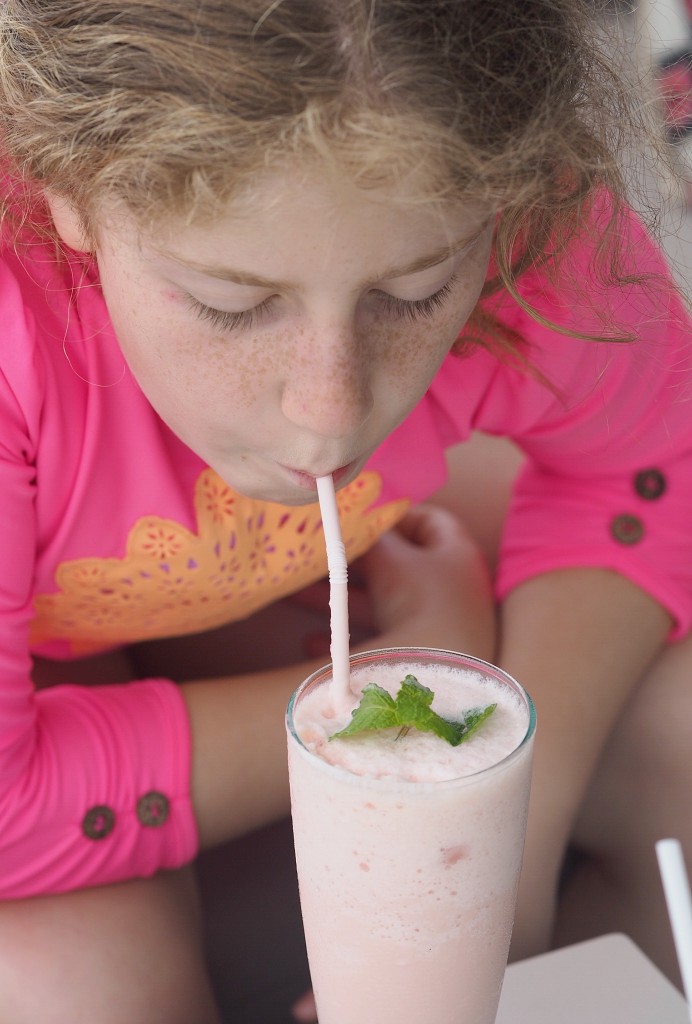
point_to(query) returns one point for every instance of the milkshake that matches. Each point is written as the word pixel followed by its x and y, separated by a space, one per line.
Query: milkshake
pixel 408 848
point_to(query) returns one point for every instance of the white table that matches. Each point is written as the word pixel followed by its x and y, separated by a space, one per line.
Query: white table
pixel 604 981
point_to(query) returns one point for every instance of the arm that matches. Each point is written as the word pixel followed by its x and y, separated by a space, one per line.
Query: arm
pixel 580 641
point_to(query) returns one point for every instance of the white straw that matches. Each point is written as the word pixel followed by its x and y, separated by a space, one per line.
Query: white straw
pixel 338 591
pixel 676 887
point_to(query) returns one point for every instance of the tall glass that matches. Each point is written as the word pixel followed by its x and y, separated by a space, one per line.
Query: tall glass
pixel 408 889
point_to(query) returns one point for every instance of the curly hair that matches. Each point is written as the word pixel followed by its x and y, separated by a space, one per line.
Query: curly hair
pixel 173 106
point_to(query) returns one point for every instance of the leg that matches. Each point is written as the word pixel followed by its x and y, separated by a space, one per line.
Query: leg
pixel 640 794
pixel 580 639
pixel 121 954
pixel 130 953
pixel 253 928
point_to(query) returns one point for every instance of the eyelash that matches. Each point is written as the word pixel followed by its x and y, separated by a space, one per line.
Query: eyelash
pixel 228 321
pixel 417 309
pixel 406 309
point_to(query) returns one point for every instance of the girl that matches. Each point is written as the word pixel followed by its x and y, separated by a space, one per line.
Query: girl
pixel 247 244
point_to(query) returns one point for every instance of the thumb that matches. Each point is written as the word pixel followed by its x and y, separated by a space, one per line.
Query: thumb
pixel 429 526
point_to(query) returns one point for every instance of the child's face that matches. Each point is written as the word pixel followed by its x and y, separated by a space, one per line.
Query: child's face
pixel 289 337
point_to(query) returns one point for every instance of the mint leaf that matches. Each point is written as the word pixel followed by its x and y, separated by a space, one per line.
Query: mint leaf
pixel 377 710
pixel 413 698
pixel 410 709
pixel 474 718
pixel 413 706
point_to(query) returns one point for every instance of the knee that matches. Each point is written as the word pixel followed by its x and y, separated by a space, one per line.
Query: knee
pixel 121 954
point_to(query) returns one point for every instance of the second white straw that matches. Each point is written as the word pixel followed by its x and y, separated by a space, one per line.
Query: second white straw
pixel 338 591
pixel 676 887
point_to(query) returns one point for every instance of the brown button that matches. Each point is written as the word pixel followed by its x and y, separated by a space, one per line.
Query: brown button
pixel 98 822
pixel 152 809
pixel 650 484
pixel 627 529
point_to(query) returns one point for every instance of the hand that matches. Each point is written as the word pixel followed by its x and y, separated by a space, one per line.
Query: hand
pixel 428 584
pixel 425 582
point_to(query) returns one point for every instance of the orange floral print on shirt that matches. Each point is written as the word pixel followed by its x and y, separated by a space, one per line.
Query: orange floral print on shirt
pixel 245 555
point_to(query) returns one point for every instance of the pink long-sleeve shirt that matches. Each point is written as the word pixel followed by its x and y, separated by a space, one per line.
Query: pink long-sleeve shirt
pixel 113 532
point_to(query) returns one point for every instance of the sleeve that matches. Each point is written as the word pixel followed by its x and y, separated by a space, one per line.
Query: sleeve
pixel 94 781
pixel 606 427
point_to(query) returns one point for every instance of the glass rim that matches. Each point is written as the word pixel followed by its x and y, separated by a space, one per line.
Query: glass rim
pixel 485 668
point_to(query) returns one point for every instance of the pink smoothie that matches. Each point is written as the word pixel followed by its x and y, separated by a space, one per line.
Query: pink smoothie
pixel 409 850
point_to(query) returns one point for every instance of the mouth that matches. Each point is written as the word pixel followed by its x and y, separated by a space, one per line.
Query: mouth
pixel 308 481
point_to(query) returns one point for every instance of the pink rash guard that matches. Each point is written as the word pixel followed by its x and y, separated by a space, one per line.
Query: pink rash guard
pixel 113 532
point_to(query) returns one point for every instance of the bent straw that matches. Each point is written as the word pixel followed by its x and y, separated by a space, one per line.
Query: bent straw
pixel 338 591
pixel 676 887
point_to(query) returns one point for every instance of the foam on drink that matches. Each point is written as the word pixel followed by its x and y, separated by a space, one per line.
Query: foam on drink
pixel 415 756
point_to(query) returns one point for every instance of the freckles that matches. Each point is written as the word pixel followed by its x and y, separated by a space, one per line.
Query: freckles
pixel 213 369
pixel 242 369
pixel 413 352
pixel 339 364
pixel 205 363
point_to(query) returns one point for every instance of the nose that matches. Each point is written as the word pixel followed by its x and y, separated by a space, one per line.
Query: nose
pixel 327 386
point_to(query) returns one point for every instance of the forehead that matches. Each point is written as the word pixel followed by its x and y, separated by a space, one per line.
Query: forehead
pixel 197 193
pixel 315 204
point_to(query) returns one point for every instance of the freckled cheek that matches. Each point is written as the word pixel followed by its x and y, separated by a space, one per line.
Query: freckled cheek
pixel 177 360
pixel 217 369
pixel 411 353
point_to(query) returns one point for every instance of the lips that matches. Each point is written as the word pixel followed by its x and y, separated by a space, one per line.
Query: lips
pixel 308 481
pixel 342 472
pixel 302 480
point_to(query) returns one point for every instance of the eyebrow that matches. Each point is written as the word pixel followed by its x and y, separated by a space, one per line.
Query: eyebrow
pixel 254 281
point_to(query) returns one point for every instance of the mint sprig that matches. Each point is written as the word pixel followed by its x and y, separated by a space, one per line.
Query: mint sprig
pixel 410 709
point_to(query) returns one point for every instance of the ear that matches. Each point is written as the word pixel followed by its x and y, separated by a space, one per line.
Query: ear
pixel 67 222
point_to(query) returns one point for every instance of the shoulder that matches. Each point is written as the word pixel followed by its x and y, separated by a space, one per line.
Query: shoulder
pixel 22 303
pixel 41 322
pixel 34 298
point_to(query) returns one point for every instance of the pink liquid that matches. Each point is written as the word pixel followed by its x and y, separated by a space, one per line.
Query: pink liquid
pixel 408 887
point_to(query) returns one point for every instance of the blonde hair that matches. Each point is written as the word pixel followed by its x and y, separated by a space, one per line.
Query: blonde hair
pixel 172 106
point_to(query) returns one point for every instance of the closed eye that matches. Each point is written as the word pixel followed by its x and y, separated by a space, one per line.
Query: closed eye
pixel 226 321
pixel 407 309
pixel 415 309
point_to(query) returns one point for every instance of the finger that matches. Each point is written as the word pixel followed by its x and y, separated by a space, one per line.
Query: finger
pixel 430 526
pixel 431 557
pixel 304 1010
pixel 422 530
